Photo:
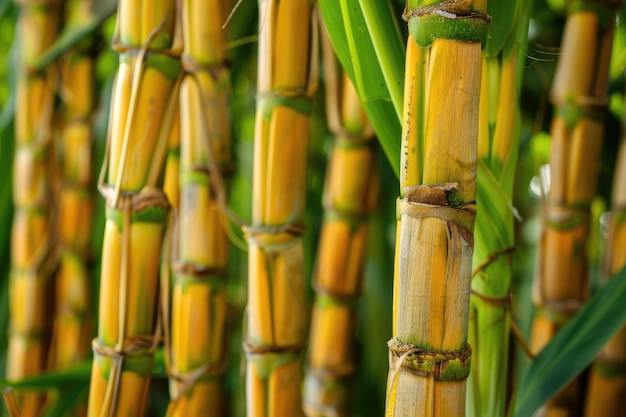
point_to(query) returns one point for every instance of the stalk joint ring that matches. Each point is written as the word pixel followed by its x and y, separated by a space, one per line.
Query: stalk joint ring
pixel 251 348
pixel 136 201
pixel 132 347
pixel 440 365
pixel 448 9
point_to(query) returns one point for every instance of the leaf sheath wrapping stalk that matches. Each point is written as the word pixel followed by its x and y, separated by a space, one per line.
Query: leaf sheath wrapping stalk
pixel 137 209
pixel 498 142
pixel 429 354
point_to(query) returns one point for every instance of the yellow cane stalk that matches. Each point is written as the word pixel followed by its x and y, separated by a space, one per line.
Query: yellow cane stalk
pixel 579 94
pixel 607 379
pixel 142 107
pixel 350 196
pixel 172 163
pixel 198 318
pixel 429 354
pixel 72 323
pixel 30 285
pixel 277 312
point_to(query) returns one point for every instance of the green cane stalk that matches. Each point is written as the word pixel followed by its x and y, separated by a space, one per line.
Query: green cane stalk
pixel 499 131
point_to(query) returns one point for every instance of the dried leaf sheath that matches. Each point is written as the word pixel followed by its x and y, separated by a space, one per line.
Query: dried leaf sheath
pixel 429 354
pixel 198 318
pixel 142 109
pixel 277 315
pixel 30 284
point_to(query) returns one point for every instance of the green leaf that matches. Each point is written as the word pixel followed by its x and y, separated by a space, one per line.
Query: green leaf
pixel 574 347
pixel 388 46
pixel 67 399
pixel 503 26
pixel 68 388
pixel 493 232
pixel 4 7
pixel 78 374
pixel 354 47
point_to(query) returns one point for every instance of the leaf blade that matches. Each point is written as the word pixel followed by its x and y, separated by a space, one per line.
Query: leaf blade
pixel 574 347
pixel 354 48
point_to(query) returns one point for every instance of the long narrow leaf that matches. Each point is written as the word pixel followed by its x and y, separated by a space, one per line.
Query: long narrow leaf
pixel 354 47
pixel 388 46
pixel 574 347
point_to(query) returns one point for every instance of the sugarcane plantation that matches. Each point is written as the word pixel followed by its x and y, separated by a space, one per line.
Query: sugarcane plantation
pixel 312 208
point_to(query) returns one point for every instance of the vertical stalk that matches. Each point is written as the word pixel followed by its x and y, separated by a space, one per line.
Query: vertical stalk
pixel 198 321
pixel 499 130
pixel 172 163
pixel 429 353
pixel 72 322
pixel 30 283
pixel 142 108
pixel 607 380
pixel 277 313
pixel 579 94
pixel 350 195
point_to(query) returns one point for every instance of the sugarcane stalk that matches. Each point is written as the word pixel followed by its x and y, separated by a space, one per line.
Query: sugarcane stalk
pixel 276 322
pixel 72 332
pixel 350 195
pixel 142 108
pixel 429 353
pixel 499 129
pixel 172 163
pixel 199 305
pixel 579 94
pixel 30 284
pixel 607 378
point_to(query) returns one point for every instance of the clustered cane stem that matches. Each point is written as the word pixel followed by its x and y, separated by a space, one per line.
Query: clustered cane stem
pixel 276 324
pixel 198 321
pixel 31 277
pixel 579 94
pixel 142 107
pixel 351 192
pixel 429 353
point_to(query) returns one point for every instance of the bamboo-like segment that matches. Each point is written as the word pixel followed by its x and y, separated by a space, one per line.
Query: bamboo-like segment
pixel 72 332
pixel 198 320
pixel 277 313
pixel 141 113
pixel 30 283
pixel 498 140
pixel 607 379
pixel 350 195
pixel 429 353
pixel 579 94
